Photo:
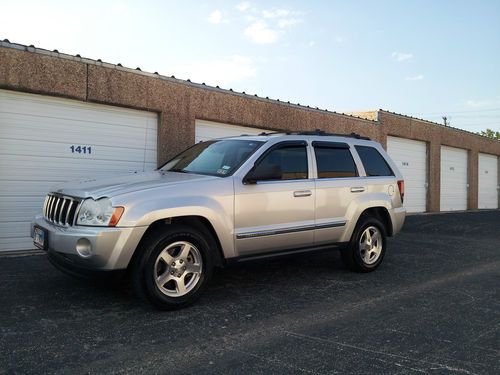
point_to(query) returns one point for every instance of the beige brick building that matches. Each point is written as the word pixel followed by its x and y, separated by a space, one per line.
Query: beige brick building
pixel 176 110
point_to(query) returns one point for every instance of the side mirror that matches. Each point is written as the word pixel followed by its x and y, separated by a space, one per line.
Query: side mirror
pixel 271 172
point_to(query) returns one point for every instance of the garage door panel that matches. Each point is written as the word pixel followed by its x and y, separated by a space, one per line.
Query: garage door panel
pixel 15 243
pixel 7 229
pixel 80 134
pixel 60 131
pixel 454 188
pixel 30 119
pixel 411 159
pixel 71 175
pixel 25 188
pixel 487 181
pixel 19 103
pixel 36 133
pixel 21 209
pixel 21 214
pixel 42 149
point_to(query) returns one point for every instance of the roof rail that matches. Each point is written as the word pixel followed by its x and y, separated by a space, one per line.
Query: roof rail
pixel 323 133
pixel 316 132
pixel 274 133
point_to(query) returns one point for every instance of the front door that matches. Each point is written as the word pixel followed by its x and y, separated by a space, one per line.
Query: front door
pixel 274 210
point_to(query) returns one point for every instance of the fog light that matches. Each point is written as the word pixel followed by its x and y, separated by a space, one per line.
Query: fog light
pixel 84 248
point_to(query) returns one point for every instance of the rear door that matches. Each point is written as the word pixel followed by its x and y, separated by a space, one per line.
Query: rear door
pixel 337 185
pixel 380 177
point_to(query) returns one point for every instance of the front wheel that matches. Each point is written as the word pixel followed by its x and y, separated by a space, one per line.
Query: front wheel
pixel 173 268
pixel 367 246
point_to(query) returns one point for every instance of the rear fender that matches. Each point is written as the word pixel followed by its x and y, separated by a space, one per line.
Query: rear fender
pixel 359 205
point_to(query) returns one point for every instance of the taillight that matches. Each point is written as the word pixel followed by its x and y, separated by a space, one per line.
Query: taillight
pixel 401 187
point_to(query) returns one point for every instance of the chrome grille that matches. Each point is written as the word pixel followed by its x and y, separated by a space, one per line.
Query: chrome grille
pixel 60 210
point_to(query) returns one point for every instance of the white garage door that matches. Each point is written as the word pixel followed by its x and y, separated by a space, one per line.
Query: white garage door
pixel 45 141
pixel 453 179
pixel 411 159
pixel 488 181
pixel 206 130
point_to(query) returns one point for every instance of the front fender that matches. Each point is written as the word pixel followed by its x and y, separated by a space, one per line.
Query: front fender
pixel 218 211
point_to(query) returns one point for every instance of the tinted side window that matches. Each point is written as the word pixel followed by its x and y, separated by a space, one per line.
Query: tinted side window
pixel 291 160
pixel 374 163
pixel 334 162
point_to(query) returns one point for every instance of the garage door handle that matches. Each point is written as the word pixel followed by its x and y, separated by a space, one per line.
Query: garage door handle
pixel 359 189
pixel 302 193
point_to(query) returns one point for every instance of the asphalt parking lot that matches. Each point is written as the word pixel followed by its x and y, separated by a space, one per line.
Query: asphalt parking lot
pixel 432 307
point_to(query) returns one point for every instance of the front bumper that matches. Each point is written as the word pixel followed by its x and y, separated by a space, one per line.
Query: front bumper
pixel 68 265
pixel 112 248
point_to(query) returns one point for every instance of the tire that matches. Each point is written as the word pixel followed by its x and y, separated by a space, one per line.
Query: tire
pixel 358 256
pixel 173 267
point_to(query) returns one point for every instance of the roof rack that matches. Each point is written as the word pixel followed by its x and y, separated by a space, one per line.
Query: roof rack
pixel 317 132
pixel 274 133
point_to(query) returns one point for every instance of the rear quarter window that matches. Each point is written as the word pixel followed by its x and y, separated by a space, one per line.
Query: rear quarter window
pixel 373 161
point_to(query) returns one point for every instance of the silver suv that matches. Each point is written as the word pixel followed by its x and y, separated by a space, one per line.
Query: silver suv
pixel 222 201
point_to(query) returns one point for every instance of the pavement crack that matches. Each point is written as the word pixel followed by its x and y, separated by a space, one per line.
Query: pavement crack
pixel 391 355
pixel 280 362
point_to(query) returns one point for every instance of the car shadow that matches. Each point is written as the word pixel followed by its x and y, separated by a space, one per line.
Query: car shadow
pixel 233 284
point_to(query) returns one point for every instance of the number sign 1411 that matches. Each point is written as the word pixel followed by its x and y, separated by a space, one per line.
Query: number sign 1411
pixel 80 149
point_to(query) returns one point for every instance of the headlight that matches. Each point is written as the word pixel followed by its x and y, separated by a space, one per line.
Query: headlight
pixel 98 212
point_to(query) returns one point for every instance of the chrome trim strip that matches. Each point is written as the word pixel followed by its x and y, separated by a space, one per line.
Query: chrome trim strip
pixel 54 216
pixel 45 204
pixel 47 209
pixel 62 215
pixel 61 208
pixel 51 206
pixel 331 225
pixel 71 201
pixel 289 230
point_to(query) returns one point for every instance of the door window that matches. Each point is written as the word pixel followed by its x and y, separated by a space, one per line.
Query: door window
pixel 283 163
pixel 335 162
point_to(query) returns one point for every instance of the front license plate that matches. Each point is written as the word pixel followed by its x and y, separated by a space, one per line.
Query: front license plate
pixel 40 238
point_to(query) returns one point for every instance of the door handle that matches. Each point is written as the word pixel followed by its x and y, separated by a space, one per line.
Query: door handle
pixel 302 193
pixel 359 189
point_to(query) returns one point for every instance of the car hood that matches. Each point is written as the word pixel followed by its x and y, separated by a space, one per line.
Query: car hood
pixel 123 184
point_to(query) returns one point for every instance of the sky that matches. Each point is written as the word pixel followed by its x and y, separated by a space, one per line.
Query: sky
pixel 424 58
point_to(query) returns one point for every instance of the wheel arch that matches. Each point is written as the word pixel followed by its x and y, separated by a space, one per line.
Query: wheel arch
pixel 197 222
pixel 382 214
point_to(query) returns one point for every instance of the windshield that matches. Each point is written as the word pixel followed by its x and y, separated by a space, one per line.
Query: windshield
pixel 216 158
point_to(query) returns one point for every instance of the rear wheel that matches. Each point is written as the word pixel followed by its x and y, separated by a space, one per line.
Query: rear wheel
pixel 173 268
pixel 367 247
